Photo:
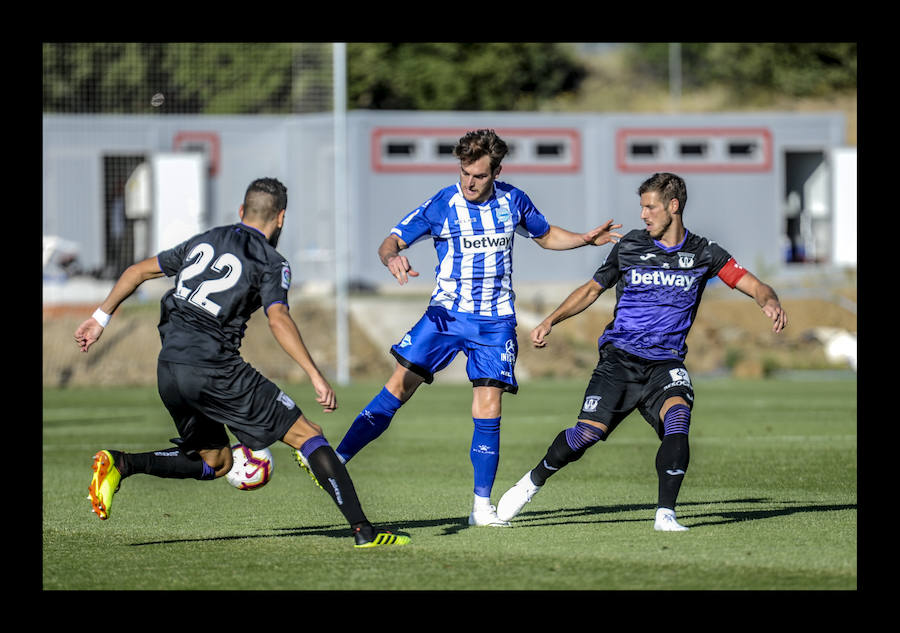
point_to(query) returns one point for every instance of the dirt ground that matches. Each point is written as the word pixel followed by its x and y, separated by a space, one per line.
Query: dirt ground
pixel 731 336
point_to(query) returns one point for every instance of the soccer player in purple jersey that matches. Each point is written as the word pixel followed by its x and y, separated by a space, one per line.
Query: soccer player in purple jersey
pixel 659 273
pixel 472 224
pixel 222 276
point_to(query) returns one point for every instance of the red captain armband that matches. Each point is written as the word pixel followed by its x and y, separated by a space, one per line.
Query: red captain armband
pixel 732 272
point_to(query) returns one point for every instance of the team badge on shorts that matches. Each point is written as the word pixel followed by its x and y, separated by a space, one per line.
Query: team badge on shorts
pixel 590 404
pixel 509 356
pixel 285 399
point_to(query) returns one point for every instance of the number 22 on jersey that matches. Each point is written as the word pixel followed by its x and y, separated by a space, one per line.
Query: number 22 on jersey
pixel 204 257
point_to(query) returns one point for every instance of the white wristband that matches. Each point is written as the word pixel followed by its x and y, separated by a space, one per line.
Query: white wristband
pixel 101 317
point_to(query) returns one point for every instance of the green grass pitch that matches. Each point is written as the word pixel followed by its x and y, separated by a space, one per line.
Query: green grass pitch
pixel 770 497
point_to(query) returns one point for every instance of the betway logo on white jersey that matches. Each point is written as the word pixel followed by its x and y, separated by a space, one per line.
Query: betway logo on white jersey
pixel 662 278
pixel 484 243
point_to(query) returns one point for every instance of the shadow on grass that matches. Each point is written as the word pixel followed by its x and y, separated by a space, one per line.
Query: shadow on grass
pixel 748 510
pixel 704 514
pixel 452 525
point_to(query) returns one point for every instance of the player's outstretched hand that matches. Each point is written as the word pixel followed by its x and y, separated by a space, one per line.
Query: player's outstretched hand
pixel 325 395
pixel 774 311
pixel 88 333
pixel 603 234
pixel 539 334
pixel 401 269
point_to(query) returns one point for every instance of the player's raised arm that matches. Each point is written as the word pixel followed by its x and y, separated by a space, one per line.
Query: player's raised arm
pixel 397 264
pixel 559 239
pixel 133 276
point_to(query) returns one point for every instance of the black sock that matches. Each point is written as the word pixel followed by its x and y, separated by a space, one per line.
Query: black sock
pixel 332 475
pixel 558 455
pixel 168 463
pixel 672 460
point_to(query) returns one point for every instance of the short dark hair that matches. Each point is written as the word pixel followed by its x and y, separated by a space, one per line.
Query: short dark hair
pixel 668 186
pixel 265 198
pixel 479 143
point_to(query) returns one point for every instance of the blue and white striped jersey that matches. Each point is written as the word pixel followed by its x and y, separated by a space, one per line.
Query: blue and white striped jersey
pixel 474 244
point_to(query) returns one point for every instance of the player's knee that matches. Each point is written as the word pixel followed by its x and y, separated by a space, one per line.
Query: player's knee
pixel 403 383
pixel 677 419
pixel 571 444
pixel 300 432
pixel 486 402
pixel 583 435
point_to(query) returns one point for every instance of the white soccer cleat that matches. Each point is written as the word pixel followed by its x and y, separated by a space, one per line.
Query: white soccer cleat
pixel 486 517
pixel 514 499
pixel 665 521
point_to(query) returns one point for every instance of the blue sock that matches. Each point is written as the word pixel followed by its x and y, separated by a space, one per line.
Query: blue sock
pixel 485 454
pixel 369 424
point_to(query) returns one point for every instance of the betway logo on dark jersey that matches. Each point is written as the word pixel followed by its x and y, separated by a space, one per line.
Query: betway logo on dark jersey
pixel 484 243
pixel 662 278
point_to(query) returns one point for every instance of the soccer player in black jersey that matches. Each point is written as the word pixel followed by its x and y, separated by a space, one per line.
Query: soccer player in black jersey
pixel 659 274
pixel 222 276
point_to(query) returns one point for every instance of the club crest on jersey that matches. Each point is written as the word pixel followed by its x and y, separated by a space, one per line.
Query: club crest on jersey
pixel 686 260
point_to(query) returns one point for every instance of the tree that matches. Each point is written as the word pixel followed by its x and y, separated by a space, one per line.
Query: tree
pixel 754 70
pixel 196 78
pixel 459 76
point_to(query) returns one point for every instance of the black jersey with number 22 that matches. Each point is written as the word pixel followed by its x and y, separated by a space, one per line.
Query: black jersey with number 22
pixel 222 277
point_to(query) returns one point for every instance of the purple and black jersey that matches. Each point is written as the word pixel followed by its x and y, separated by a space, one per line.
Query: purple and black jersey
pixel 223 276
pixel 658 291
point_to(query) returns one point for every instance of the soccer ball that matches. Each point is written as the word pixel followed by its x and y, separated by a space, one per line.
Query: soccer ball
pixel 252 469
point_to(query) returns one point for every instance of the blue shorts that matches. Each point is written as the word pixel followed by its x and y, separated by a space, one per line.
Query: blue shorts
pixel 489 343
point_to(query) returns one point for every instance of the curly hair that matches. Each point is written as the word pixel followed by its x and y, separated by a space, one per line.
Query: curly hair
pixel 479 143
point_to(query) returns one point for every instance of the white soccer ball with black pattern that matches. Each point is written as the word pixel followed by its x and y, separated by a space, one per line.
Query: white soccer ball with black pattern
pixel 252 469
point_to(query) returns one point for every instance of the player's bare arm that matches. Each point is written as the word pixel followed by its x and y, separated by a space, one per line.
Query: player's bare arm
pixel 765 298
pixel 286 332
pixel 397 264
pixel 560 239
pixel 133 276
pixel 579 300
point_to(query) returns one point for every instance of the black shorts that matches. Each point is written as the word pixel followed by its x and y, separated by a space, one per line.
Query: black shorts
pixel 622 382
pixel 204 400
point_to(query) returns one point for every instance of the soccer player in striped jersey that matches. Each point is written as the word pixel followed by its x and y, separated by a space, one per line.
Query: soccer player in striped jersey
pixel 472 224
pixel 222 276
pixel 659 274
